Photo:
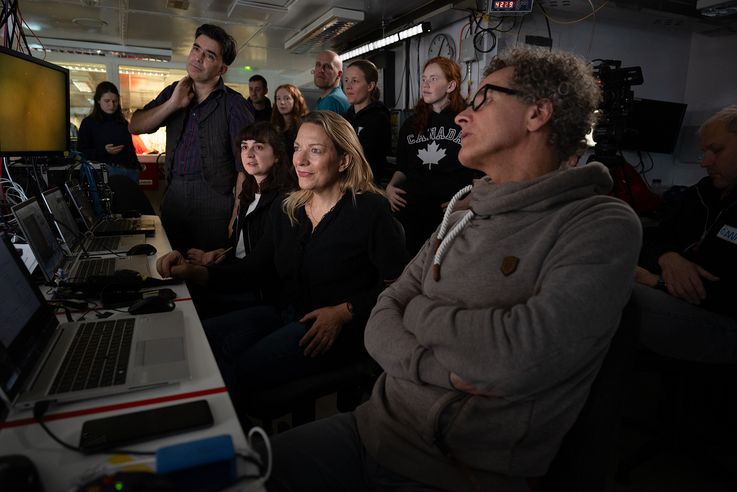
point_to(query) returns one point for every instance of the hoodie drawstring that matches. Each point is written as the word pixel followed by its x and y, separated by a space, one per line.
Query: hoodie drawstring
pixel 442 242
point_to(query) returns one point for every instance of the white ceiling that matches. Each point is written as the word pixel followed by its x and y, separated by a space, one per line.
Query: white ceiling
pixel 261 27
pixel 259 32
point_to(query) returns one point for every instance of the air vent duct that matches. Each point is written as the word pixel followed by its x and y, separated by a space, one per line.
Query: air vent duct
pixel 717 8
pixel 325 28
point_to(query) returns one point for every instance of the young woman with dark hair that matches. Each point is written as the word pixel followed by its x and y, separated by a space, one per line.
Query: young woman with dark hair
pixel 268 177
pixel 104 136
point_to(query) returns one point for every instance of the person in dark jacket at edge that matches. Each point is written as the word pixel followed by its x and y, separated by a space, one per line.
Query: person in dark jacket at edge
pixel 368 115
pixel 688 270
pixel 494 332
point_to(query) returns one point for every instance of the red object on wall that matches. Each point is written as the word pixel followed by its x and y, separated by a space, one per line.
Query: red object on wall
pixel 148 179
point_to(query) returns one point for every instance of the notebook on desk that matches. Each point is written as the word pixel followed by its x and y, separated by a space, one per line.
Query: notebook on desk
pixel 73 240
pixel 50 255
pixel 41 359
pixel 105 226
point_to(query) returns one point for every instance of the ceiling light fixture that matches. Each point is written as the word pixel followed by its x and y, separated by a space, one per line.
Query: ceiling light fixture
pixel 386 41
pixel 82 86
pixel 717 8
pixel 89 22
pixel 327 27
pixel 56 45
pixel 269 7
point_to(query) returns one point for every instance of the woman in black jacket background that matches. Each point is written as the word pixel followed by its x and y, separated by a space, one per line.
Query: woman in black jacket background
pixel 368 115
pixel 104 136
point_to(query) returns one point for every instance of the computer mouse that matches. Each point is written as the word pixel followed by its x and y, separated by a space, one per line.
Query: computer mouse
pixel 126 276
pixel 153 304
pixel 17 472
pixel 131 214
pixel 142 249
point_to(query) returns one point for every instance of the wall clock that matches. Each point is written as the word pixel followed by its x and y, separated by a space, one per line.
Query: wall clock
pixel 442 45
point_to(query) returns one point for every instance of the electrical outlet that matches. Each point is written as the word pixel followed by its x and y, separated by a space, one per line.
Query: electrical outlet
pixel 468 52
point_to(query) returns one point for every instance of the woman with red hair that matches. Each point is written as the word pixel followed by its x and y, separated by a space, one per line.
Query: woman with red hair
pixel 428 172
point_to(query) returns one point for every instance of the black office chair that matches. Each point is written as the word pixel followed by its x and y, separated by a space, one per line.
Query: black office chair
pixel 128 196
pixel 586 460
pixel 351 381
pixel 696 416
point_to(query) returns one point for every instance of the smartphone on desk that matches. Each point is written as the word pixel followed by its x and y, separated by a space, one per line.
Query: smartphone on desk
pixel 120 430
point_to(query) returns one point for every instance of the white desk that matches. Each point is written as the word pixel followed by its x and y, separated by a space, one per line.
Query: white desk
pixel 61 469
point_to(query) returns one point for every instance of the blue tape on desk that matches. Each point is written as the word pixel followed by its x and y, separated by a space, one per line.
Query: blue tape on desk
pixel 211 457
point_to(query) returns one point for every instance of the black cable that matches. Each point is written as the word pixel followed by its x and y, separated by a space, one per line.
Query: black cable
pixel 478 41
pixel 550 35
pixel 547 21
pixel 519 31
pixel 401 88
pixel 39 410
pixel 253 461
pixel 514 24
pixel 250 459
pixel 501 21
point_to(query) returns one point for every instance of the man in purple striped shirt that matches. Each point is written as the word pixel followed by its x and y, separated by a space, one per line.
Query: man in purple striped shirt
pixel 203 118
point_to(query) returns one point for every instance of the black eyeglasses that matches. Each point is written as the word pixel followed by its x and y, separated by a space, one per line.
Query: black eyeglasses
pixel 480 98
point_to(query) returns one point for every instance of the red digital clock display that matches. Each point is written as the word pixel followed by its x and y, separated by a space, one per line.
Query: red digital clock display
pixel 512 6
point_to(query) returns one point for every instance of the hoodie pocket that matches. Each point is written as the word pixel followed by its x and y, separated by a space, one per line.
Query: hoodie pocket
pixel 483 432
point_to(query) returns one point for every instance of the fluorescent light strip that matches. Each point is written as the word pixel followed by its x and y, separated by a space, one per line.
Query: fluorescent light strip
pixel 394 38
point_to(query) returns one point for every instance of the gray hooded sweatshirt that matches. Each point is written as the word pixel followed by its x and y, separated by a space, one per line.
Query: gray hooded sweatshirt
pixel 528 298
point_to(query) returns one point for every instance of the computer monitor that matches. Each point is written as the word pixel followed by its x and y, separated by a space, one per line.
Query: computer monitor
pixel 653 126
pixel 34 106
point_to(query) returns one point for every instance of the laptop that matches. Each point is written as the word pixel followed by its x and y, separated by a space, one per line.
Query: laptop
pixel 105 226
pixel 73 241
pixel 38 355
pixel 50 255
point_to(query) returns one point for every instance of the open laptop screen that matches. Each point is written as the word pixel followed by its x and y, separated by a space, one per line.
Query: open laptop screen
pixel 40 237
pixel 65 223
pixel 82 203
pixel 27 321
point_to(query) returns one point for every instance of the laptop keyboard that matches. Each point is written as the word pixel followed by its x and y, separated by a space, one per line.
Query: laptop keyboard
pixel 98 357
pixel 103 243
pixel 104 267
pixel 116 225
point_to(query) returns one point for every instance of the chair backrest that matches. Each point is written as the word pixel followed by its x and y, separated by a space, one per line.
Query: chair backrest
pixel 586 458
pixel 128 196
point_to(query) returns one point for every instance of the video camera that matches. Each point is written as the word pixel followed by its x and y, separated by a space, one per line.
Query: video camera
pixel 617 97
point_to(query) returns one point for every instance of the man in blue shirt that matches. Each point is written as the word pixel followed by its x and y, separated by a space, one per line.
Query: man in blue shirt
pixel 203 118
pixel 327 74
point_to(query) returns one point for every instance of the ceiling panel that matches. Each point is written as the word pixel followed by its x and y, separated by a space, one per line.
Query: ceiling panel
pixel 261 27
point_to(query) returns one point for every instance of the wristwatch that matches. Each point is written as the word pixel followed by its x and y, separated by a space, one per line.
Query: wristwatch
pixel 661 285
